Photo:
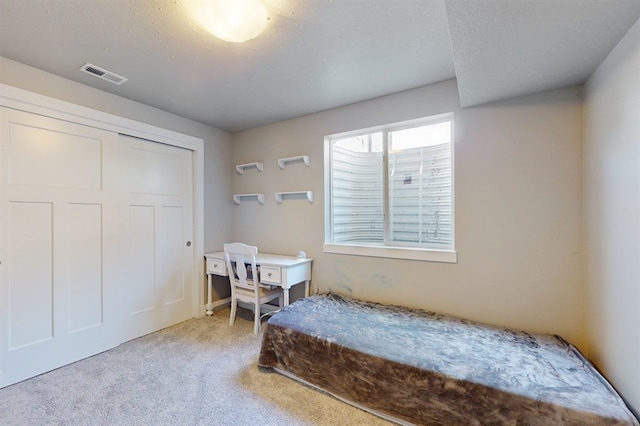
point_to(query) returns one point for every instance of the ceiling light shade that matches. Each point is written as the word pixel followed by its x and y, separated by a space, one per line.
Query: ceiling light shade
pixel 233 20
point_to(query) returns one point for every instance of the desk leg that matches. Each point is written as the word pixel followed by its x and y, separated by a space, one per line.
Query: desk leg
pixel 306 288
pixel 209 290
pixel 286 296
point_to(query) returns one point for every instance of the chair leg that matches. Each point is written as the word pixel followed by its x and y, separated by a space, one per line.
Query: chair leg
pixel 234 306
pixel 256 319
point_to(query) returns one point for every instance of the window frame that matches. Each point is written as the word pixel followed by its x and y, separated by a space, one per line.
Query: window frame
pixel 387 249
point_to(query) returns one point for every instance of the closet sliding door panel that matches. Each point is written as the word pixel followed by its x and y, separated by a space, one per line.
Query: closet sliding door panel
pixel 158 235
pixel 59 218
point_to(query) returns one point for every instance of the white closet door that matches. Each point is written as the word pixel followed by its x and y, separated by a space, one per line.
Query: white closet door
pixel 58 243
pixel 158 282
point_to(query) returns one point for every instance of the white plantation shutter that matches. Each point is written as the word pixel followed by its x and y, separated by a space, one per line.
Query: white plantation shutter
pixel 415 188
pixel 420 196
pixel 357 193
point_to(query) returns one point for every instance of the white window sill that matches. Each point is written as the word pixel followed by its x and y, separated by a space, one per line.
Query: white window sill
pixel 427 255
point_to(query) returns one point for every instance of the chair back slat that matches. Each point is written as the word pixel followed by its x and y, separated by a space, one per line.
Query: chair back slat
pixel 240 272
pixel 241 264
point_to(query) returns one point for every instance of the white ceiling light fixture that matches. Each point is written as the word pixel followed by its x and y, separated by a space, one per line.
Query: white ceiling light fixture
pixel 233 20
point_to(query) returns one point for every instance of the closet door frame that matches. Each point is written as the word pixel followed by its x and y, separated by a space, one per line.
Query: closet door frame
pixel 20 99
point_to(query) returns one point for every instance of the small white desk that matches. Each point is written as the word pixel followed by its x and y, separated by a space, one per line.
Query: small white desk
pixel 275 269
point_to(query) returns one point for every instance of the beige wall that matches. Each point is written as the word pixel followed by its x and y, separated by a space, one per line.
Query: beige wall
pixel 518 208
pixel 217 143
pixel 612 216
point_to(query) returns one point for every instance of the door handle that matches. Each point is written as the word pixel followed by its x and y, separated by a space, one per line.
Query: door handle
pixel 188 243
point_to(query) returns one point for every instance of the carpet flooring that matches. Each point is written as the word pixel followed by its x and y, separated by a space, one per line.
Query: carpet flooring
pixel 201 371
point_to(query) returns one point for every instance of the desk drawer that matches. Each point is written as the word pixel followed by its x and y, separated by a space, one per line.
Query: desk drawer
pixel 270 275
pixel 216 266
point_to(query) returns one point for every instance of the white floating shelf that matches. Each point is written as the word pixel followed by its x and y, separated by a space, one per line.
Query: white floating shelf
pixel 304 158
pixel 240 167
pixel 240 198
pixel 294 195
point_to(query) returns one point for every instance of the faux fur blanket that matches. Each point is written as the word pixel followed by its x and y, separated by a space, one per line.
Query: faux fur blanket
pixel 419 367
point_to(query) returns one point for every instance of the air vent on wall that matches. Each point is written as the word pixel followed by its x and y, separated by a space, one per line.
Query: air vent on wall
pixel 103 74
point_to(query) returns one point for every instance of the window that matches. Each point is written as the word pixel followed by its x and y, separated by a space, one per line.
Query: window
pixel 389 191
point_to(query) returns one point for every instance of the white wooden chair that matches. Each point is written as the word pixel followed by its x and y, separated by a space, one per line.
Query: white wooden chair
pixel 245 281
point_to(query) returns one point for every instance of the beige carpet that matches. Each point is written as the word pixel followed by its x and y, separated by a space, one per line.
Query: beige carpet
pixel 198 372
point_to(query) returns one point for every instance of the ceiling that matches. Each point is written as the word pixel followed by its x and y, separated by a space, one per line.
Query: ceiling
pixel 315 54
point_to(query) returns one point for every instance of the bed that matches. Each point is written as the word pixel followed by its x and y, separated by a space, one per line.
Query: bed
pixel 417 367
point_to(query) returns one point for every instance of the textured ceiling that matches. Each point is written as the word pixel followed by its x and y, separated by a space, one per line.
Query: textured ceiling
pixel 315 54
pixel 506 48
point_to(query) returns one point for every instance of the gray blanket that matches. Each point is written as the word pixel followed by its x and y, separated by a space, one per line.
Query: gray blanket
pixel 424 368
